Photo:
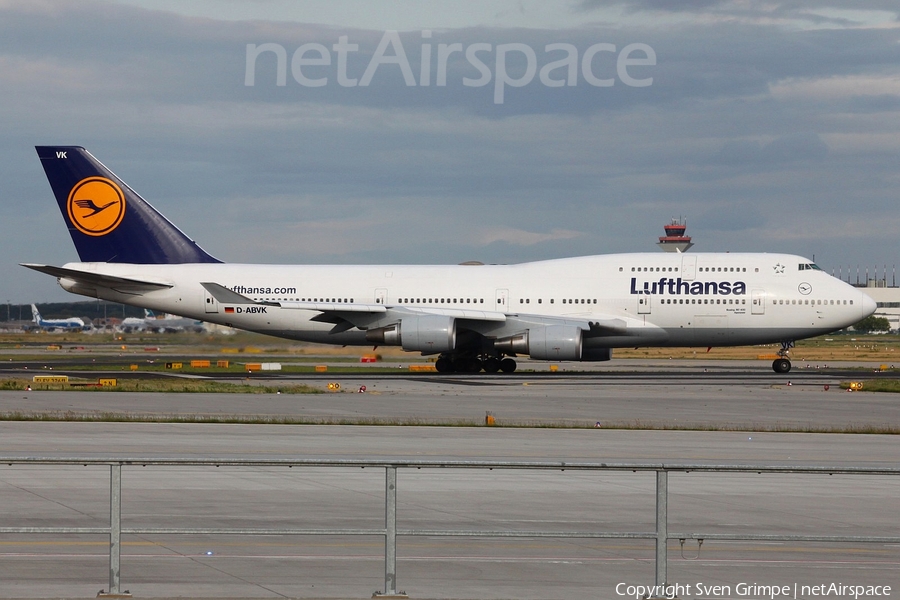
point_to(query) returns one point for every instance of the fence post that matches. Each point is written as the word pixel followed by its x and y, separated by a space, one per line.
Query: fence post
pixel 115 526
pixel 662 527
pixel 390 531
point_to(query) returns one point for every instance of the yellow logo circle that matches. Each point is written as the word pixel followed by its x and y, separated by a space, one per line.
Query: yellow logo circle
pixel 96 206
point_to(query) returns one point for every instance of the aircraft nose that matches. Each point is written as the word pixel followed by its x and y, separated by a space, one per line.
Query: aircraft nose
pixel 868 305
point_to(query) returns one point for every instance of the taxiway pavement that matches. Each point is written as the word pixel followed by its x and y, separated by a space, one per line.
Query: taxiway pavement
pixel 433 567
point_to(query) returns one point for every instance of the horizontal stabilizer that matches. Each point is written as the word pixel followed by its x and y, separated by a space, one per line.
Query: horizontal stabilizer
pixel 124 284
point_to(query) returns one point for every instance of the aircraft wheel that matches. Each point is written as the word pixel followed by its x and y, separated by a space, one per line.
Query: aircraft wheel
pixel 508 365
pixel 474 365
pixel 444 365
pixel 467 365
pixel 492 365
pixel 781 365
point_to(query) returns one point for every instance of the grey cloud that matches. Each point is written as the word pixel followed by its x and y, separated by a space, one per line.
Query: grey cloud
pixel 397 174
pixel 800 11
pixel 781 151
pixel 661 5
pixel 146 57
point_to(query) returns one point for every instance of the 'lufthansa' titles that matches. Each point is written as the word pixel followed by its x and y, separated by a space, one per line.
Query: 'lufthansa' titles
pixel 667 286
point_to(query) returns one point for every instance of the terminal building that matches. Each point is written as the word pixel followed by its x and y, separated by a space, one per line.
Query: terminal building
pixel 886 297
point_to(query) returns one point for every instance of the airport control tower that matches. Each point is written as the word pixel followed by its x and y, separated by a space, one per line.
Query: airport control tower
pixel 675 240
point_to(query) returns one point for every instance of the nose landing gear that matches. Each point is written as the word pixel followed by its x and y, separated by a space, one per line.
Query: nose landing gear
pixel 782 364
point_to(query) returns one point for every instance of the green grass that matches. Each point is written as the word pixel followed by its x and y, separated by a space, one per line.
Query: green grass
pixel 877 385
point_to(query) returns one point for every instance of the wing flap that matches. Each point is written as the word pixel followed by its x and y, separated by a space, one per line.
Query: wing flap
pixel 335 307
pixel 606 327
pixel 462 313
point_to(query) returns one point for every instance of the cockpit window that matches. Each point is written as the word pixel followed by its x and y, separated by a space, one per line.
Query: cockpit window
pixel 809 267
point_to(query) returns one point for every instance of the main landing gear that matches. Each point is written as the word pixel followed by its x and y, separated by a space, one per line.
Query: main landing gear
pixel 450 363
pixel 782 364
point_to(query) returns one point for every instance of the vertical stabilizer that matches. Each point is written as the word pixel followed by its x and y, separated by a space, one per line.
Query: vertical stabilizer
pixel 109 221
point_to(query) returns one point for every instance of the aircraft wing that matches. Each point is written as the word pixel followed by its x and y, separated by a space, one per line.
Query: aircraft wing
pixel 605 327
pixel 593 326
pixel 124 285
pixel 346 316
pixel 225 296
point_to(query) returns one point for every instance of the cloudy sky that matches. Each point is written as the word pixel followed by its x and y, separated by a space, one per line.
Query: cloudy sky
pixel 353 131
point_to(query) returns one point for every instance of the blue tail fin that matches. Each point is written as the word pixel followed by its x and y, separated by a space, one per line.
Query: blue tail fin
pixel 109 221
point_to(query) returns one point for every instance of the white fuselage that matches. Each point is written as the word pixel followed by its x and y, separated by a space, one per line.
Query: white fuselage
pixel 695 299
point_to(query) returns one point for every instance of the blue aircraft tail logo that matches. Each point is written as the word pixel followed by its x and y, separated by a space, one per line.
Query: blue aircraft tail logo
pixel 107 219
pixel 96 206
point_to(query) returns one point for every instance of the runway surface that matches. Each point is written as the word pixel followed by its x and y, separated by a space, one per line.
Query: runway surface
pixel 718 395
pixel 431 567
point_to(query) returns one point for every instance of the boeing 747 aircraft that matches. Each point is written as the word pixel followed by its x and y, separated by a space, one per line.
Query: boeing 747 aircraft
pixel 472 317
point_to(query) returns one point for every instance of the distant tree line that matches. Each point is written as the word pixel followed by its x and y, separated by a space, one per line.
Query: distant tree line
pixel 873 324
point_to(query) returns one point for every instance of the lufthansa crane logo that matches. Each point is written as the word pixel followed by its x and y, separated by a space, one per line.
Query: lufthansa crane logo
pixel 96 206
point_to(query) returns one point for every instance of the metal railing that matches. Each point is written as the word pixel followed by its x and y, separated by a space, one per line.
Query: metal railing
pixel 390 532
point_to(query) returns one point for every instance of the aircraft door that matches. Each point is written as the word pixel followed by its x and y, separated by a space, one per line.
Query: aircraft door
pixel 381 296
pixel 758 302
pixel 644 304
pixel 209 303
pixel 502 303
pixel 688 268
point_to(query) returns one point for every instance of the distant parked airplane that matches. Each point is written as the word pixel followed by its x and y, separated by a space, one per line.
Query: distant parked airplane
pixel 163 324
pixel 50 324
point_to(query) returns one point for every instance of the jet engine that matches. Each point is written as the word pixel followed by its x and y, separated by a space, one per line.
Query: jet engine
pixel 430 334
pixel 552 342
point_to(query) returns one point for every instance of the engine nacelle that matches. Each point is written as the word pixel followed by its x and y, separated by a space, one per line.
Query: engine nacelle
pixel 430 334
pixel 596 354
pixel 553 342
pixel 384 336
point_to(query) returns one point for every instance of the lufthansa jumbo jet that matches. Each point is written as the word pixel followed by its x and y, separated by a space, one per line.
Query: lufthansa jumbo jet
pixel 473 317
